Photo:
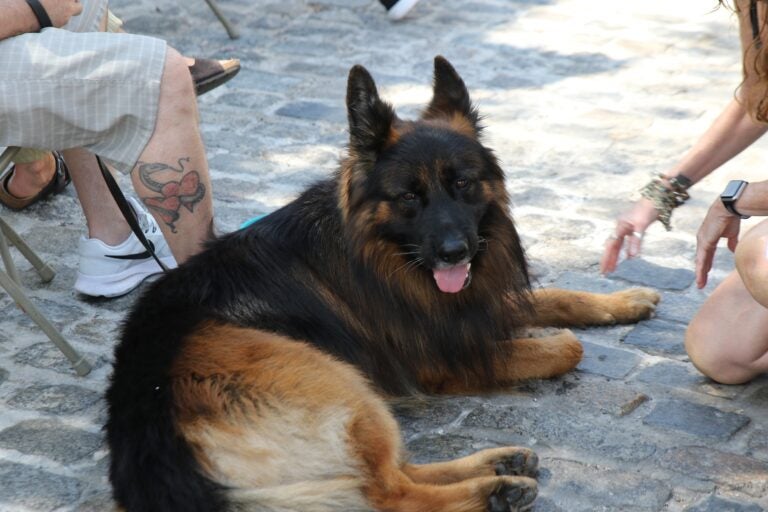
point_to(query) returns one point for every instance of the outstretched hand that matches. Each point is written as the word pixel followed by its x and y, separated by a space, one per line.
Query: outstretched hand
pixel 630 227
pixel 718 223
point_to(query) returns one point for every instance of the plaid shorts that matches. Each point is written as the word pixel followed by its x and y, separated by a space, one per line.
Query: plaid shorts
pixel 76 87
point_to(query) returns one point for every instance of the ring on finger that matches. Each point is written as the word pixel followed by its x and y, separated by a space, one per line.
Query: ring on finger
pixel 638 234
pixel 613 236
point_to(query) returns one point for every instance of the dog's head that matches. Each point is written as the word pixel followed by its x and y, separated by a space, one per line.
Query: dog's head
pixel 423 197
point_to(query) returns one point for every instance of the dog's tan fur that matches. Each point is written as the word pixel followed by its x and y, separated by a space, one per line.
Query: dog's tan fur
pixel 212 410
pixel 266 412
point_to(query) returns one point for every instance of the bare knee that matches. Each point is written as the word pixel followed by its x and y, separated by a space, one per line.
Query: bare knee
pixel 177 92
pixel 752 265
pixel 711 356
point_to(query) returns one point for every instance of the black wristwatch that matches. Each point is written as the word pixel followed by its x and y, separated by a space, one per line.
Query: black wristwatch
pixel 731 194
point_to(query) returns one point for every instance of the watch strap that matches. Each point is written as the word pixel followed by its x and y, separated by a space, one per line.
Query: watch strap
pixel 731 208
pixel 729 202
pixel 40 13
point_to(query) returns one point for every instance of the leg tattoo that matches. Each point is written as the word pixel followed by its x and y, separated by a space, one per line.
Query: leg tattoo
pixel 186 192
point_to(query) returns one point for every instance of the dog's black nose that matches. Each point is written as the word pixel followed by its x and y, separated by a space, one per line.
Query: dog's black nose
pixel 453 251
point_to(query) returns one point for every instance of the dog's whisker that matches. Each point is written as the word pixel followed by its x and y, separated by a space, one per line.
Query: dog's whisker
pixel 416 263
pixel 408 265
pixel 400 267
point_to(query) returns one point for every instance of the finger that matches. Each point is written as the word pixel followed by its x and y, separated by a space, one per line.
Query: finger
pixel 733 241
pixel 635 240
pixel 611 253
pixel 704 257
pixel 608 261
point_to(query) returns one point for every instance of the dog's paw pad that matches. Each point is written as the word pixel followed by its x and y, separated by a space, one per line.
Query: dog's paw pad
pixel 522 463
pixel 512 497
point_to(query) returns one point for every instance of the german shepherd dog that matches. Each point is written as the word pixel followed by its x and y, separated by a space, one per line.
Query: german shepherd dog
pixel 252 378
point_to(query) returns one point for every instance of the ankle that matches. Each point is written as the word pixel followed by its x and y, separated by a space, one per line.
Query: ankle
pixel 30 177
pixel 42 167
pixel 111 235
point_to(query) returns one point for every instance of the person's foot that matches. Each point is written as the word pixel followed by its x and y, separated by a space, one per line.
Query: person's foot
pixel 207 74
pixel 111 271
pixel 24 184
pixel 398 9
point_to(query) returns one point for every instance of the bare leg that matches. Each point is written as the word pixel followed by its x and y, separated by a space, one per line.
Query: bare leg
pixel 171 177
pixel 727 340
pixel 104 219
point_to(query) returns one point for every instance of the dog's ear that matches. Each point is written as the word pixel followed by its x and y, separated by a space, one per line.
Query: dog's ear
pixel 370 119
pixel 450 97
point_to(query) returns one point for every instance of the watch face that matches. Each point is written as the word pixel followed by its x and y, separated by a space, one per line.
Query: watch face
pixel 732 189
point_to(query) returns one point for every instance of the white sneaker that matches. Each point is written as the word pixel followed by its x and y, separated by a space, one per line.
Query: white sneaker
pixel 111 271
pixel 397 9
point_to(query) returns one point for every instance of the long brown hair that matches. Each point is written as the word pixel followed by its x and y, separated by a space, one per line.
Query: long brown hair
pixel 753 90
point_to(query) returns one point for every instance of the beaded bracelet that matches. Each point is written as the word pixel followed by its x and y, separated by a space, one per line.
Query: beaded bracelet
pixel 666 198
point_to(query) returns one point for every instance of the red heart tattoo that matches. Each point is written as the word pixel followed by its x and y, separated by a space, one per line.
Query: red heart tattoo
pixel 187 192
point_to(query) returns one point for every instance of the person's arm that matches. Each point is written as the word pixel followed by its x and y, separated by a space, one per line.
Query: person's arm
pixel 18 17
pixel 754 200
pixel 733 131
pixel 720 223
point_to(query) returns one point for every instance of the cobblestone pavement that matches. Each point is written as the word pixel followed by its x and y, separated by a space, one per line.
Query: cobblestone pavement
pixel 583 100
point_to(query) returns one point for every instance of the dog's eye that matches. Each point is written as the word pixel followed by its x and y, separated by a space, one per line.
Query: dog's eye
pixel 409 196
pixel 462 183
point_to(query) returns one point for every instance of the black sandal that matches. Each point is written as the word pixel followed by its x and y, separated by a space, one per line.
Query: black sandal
pixel 58 183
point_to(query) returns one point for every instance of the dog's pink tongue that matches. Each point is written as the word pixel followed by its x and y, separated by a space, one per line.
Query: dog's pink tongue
pixel 451 280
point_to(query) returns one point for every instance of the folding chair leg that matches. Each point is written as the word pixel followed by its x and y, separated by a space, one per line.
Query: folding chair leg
pixel 6 255
pixel 79 363
pixel 231 31
pixel 43 269
pixel 10 282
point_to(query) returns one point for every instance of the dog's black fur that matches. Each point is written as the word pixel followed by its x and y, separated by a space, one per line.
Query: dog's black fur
pixel 347 266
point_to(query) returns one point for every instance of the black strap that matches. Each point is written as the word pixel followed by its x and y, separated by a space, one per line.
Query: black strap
pixel 40 13
pixel 127 211
pixel 753 19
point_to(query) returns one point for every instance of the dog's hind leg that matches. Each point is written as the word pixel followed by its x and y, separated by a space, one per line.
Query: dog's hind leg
pixel 267 418
pixel 283 427
pixel 395 487
pixel 568 308
pixel 509 460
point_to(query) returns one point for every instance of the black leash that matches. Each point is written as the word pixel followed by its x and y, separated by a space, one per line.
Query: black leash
pixel 127 211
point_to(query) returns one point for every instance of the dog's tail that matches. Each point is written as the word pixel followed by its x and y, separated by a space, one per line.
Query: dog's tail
pixel 329 495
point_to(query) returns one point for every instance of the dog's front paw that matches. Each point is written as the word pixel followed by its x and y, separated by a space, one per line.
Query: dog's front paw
pixel 514 494
pixel 631 305
pixel 518 462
